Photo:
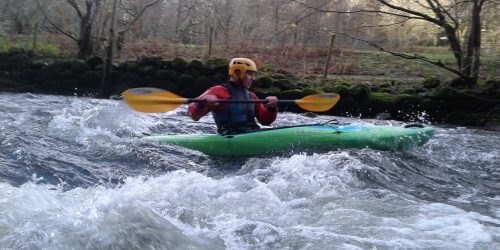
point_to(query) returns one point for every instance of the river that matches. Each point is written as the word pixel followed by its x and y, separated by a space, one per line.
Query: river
pixel 75 174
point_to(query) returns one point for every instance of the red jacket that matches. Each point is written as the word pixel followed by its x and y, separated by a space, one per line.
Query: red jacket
pixel 263 115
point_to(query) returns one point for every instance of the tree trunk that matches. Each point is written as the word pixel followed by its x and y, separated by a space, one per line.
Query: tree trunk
pixel 107 80
pixel 454 41
pixel 471 62
pixel 85 45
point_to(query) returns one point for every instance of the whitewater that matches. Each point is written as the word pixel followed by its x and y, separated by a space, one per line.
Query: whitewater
pixel 75 173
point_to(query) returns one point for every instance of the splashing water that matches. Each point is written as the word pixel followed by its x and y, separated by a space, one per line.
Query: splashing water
pixel 75 174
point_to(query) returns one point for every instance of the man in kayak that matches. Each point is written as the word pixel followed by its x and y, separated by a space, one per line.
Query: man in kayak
pixel 236 117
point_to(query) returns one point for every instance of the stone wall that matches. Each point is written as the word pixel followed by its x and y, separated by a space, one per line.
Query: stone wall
pixel 454 102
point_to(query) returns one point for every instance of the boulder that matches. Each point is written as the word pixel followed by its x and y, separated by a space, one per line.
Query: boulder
pixel 359 91
pixel 168 74
pixel 264 92
pixel 283 84
pixel 185 82
pixel 19 61
pixel 263 81
pixel 408 90
pixel 179 64
pixel 128 66
pixel 90 79
pixel 78 67
pixel 291 94
pixel 466 118
pixel 94 61
pixel 154 61
pixel 195 65
pixel 431 82
pixel 312 91
pixel 405 101
pixel 380 102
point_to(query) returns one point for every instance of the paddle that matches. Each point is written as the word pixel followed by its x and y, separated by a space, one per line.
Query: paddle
pixel 154 100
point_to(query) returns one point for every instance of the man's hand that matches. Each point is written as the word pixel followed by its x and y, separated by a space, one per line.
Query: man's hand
pixel 210 101
pixel 272 102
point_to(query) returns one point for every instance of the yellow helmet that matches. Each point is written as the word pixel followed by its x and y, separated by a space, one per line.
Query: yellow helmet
pixel 241 64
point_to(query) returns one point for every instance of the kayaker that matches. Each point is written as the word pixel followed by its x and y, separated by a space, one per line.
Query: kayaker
pixel 236 117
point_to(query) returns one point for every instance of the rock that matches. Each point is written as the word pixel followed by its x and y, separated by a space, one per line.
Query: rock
pixel 8 84
pixel 339 89
pixel 431 82
pixel 443 92
pixel 408 90
pixel 492 125
pixel 154 61
pixel 291 94
pixel 385 90
pixel 131 79
pixel 201 84
pixel 90 79
pixel 218 65
pixel 168 74
pixel 465 118
pixel 264 92
pixel 128 67
pixel 19 61
pixel 380 102
pixel 312 91
pixel 283 84
pixel 179 64
pixel 359 91
pixel 146 70
pixel 185 82
pixel 406 101
pixel 195 64
pixel 491 85
pixel 15 51
pixel 263 82
pixel 94 61
pixel 459 82
pixel 78 67
pixel 385 85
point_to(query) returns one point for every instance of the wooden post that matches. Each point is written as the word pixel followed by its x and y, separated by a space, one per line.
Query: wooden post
pixel 106 80
pixel 35 37
pixel 329 57
pixel 210 42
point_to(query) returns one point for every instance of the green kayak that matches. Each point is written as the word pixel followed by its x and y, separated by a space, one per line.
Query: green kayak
pixel 300 138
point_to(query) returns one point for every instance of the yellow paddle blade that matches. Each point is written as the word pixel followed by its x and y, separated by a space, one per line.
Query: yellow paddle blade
pixel 152 100
pixel 319 102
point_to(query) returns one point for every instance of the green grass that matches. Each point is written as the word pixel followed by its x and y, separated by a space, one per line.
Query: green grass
pixel 44 49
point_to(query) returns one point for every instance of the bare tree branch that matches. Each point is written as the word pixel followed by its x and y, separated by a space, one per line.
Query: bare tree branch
pixel 66 33
pixel 406 56
pixel 139 14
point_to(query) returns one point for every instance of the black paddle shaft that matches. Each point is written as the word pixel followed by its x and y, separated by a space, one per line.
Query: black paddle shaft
pixel 190 100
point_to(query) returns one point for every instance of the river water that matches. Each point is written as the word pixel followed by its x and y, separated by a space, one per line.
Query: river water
pixel 75 174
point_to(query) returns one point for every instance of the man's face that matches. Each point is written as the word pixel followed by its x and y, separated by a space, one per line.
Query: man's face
pixel 249 78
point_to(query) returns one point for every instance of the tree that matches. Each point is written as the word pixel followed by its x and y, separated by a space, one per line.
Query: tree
pixel 133 9
pixel 451 16
pixel 445 14
pixel 86 16
pixel 86 11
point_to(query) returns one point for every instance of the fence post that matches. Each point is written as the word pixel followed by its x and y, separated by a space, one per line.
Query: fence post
pixel 210 42
pixel 35 37
pixel 329 57
pixel 106 80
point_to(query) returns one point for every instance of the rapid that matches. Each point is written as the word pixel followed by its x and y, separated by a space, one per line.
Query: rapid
pixel 75 174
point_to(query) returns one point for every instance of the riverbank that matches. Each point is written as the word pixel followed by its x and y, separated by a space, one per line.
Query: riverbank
pixel 413 99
